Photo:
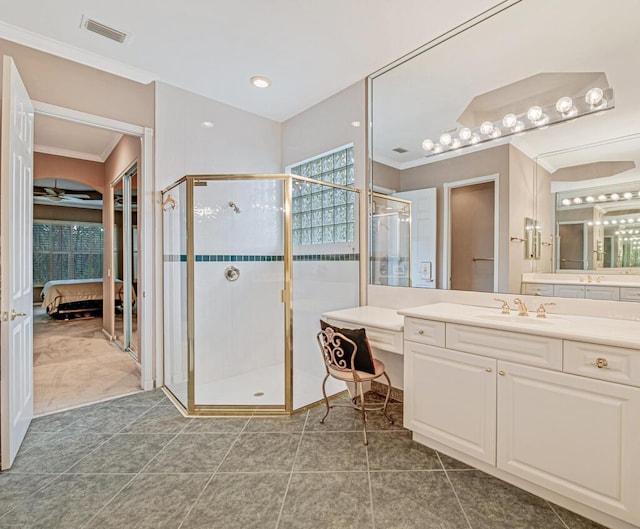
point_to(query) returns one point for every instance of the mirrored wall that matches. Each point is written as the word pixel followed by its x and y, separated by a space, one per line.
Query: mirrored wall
pixel 523 124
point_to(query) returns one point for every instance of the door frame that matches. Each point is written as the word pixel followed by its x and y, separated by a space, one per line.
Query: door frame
pixel 445 281
pixel 147 326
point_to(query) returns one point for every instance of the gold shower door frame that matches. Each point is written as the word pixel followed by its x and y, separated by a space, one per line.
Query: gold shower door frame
pixel 193 409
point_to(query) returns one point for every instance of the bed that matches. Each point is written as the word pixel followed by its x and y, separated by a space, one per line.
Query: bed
pixel 64 297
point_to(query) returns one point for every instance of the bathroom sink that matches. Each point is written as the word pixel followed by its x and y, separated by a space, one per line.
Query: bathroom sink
pixel 514 318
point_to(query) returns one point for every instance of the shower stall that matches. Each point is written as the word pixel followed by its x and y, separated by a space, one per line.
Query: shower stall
pixel 250 264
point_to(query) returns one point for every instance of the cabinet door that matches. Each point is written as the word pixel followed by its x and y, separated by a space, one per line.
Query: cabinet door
pixel 602 292
pixel 568 291
pixel 537 289
pixel 575 436
pixel 450 398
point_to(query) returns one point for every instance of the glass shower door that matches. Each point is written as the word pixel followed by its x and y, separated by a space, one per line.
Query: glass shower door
pixel 238 283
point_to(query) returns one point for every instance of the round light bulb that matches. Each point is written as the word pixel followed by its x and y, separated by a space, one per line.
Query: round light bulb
pixel 628 195
pixel 534 113
pixel 590 199
pixel 486 128
pixel 456 143
pixel 589 223
pixel 594 96
pixel 622 221
pixel 602 198
pixel 496 133
pixel 566 202
pixel 564 105
pixel 544 119
pixel 427 144
pixel 518 127
pixel 614 221
pixel 260 82
pixel 474 139
pixel 509 120
pixel 615 196
pixel 606 223
pixel 577 200
pixel 465 134
pixel 437 148
pixel 445 139
pixel 598 223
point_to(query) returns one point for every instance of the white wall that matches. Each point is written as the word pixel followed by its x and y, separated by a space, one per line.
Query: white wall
pixel 239 142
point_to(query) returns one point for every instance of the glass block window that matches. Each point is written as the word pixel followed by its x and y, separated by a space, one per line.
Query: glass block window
pixel 66 250
pixel 323 214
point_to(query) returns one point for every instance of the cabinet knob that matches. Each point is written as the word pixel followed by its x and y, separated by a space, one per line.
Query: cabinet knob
pixel 420 331
pixel 488 369
pixel 501 373
pixel 601 363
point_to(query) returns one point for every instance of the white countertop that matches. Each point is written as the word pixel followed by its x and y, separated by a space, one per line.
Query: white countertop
pixel 612 283
pixel 605 280
pixel 606 331
pixel 380 317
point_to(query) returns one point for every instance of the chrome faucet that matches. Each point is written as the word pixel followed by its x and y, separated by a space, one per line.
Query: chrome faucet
pixel 541 312
pixel 522 308
pixel 505 306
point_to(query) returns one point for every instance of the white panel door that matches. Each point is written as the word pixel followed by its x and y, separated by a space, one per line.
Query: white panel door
pixel 575 436
pixel 423 235
pixel 450 397
pixel 16 298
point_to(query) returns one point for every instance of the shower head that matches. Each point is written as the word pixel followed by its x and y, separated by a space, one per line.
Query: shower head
pixel 233 206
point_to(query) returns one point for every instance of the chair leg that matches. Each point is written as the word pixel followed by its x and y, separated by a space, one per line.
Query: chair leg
pixel 364 414
pixel 326 400
pixel 386 400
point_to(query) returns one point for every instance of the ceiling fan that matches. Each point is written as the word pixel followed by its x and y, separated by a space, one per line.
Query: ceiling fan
pixel 56 194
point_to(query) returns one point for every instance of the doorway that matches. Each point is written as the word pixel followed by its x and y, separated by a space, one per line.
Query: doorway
pixel 471 220
pixel 572 246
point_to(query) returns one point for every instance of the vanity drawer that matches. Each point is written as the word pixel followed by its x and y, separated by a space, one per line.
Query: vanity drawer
pixel 424 331
pixel 537 289
pixel 534 350
pixel 617 364
pixel 383 339
pixel 602 292
pixel 629 294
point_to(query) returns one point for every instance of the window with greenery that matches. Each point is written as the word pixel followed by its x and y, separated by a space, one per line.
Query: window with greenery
pixel 66 250
pixel 324 214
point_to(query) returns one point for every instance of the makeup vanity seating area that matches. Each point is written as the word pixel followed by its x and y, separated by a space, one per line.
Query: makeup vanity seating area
pixel 549 404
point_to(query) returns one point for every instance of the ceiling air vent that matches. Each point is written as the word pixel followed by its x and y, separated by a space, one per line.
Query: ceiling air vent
pixel 101 29
pixel 400 150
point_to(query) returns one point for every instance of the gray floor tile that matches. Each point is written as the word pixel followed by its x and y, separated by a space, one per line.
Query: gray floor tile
pixel 377 421
pixel 575 521
pixel 106 418
pixel 15 488
pixel 56 422
pixel 493 504
pixel 341 419
pixel 160 419
pixel 192 452
pixel 262 452
pixel 453 464
pixel 123 453
pixel 58 454
pixel 294 423
pixel 142 398
pixel 151 502
pixel 239 501
pixel 217 424
pixel 68 502
pixel 34 438
pixel 397 451
pixel 408 500
pixel 331 451
pixel 335 500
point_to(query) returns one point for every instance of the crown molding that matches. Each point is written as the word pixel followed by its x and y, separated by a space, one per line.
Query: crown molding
pixel 68 153
pixel 106 152
pixel 73 53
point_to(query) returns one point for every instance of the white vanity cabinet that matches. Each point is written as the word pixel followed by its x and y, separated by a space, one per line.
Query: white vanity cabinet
pixel 520 409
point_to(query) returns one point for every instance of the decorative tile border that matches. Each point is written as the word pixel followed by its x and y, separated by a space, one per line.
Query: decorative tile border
pixel 262 258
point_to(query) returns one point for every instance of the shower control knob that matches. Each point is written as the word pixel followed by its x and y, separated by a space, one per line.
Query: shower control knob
pixel 231 273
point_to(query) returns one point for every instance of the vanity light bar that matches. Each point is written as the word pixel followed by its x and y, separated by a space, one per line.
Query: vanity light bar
pixel 536 117
pixel 590 199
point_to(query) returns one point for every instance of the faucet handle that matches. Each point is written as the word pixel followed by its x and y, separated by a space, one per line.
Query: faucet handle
pixel 522 308
pixel 541 312
pixel 505 306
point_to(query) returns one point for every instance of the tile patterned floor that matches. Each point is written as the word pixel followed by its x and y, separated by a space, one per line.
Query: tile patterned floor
pixel 135 462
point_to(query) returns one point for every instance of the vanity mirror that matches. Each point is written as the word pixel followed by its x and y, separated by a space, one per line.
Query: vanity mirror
pixel 528 104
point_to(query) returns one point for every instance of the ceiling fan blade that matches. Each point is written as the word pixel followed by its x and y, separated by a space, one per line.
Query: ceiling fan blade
pixel 82 196
pixel 51 192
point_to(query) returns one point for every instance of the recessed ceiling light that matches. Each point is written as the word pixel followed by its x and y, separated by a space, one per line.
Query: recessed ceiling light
pixel 260 82
pixel 207 124
pixel 355 123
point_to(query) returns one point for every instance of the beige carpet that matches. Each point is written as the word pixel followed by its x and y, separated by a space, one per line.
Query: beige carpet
pixel 75 364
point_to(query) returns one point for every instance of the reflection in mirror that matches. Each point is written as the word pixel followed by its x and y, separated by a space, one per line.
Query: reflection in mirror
pixel 457 111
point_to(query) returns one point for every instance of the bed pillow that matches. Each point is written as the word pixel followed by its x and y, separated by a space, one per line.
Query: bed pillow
pixel 364 359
